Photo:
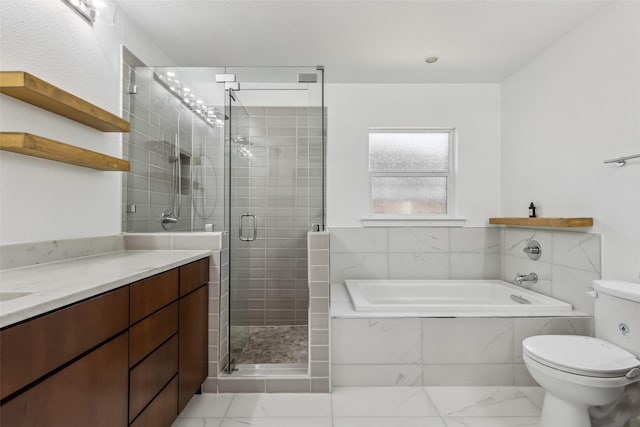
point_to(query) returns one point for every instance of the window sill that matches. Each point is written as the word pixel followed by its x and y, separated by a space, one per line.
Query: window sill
pixel 412 221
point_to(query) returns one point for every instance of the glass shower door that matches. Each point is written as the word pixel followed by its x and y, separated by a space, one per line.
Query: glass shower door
pixel 274 144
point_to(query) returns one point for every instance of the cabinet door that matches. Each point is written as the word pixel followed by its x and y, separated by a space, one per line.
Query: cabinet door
pixel 92 391
pixel 193 344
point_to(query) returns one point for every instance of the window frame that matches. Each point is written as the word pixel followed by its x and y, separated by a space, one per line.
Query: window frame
pixel 448 174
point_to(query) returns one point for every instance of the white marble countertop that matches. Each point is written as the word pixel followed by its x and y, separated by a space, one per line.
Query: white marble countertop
pixel 57 284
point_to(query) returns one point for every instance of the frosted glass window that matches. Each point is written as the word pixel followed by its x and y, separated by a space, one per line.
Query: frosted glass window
pixel 409 152
pixel 409 195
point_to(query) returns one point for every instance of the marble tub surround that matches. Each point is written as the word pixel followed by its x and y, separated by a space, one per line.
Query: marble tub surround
pixel 410 351
pixel 570 260
pixel 370 407
pixel 569 263
pixel 415 253
pixel 25 254
pixel 54 285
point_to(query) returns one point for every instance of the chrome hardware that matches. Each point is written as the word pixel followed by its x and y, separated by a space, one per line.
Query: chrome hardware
pixel 533 250
pixel 621 161
pixel 633 373
pixel 623 328
pixel 252 236
pixel 168 217
pixel 531 277
pixel 520 300
pixel 592 294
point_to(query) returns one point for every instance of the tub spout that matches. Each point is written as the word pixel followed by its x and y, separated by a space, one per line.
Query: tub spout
pixel 531 277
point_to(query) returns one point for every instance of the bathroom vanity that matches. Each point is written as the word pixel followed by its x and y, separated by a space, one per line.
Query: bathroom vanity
pixel 130 348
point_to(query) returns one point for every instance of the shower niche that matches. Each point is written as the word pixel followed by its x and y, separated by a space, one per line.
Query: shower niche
pixel 251 165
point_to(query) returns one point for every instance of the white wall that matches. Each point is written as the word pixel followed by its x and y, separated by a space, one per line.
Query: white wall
pixel 573 106
pixel 46 200
pixel 473 109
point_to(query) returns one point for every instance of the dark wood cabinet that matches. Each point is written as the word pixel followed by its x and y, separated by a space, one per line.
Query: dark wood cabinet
pixel 32 349
pixel 92 391
pixel 162 411
pixel 152 375
pixel 134 355
pixel 193 344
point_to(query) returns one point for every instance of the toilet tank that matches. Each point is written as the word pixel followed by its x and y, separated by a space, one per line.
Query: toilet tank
pixel 617 313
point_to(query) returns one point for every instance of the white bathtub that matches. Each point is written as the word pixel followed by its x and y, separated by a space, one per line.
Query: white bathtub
pixel 450 298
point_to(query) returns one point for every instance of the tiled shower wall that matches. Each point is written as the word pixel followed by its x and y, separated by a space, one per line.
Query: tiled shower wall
pixel 276 176
pixel 154 115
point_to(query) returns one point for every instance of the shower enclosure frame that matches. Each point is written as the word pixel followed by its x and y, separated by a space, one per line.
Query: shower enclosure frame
pixel 230 367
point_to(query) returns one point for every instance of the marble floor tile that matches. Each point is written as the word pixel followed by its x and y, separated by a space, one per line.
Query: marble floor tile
pixel 369 407
pixel 491 421
pixel 535 394
pixel 278 422
pixel 482 402
pixel 388 421
pixel 382 401
pixel 197 422
pixel 252 405
pixel 207 405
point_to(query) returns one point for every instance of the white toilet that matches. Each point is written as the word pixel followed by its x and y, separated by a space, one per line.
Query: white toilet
pixel 576 371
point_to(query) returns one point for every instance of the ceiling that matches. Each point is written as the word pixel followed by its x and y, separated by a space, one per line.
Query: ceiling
pixel 362 41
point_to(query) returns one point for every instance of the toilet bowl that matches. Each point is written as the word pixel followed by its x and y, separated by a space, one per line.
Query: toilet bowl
pixel 577 371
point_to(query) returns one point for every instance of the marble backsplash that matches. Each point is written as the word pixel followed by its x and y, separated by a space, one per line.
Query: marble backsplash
pixel 25 254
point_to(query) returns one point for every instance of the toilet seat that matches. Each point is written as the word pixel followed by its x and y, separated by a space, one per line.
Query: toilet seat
pixel 580 355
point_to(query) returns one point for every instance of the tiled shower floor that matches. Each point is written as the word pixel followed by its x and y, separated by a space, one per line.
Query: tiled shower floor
pixel 274 345
pixel 370 407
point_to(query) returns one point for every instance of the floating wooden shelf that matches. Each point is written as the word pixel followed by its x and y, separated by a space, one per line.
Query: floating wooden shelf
pixel 28 88
pixel 37 146
pixel 544 222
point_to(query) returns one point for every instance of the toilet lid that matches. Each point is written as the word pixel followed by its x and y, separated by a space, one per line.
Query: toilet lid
pixel 580 355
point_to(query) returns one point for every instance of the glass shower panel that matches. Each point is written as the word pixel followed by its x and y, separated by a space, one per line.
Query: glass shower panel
pixel 175 147
pixel 275 148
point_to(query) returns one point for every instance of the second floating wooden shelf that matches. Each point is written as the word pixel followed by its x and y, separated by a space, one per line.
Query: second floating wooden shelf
pixel 544 222
pixel 37 146
pixel 29 88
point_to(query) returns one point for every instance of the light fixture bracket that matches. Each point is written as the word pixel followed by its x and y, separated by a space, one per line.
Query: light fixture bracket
pixel 84 8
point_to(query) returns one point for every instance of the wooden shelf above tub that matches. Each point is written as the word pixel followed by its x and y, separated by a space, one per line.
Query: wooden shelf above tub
pixel 30 89
pixel 37 146
pixel 544 222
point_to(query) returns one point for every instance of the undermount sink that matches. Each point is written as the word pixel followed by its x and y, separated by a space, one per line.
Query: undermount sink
pixel 6 296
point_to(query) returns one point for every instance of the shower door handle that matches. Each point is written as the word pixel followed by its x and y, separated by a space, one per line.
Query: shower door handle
pixel 252 236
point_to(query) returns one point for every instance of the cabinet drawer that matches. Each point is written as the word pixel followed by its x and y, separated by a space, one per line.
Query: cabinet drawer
pixel 152 294
pixel 151 375
pixel 152 331
pixel 36 347
pixel 194 275
pixel 90 392
pixel 163 410
pixel 193 344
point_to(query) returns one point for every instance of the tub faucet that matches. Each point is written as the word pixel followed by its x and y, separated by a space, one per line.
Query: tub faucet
pixel 531 277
